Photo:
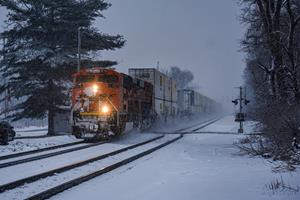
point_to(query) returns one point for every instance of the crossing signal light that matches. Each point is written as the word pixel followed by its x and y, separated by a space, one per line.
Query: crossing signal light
pixel 246 101
pixel 235 102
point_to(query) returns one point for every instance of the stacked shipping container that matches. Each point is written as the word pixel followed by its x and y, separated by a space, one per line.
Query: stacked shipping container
pixel 168 101
pixel 192 102
pixel 165 90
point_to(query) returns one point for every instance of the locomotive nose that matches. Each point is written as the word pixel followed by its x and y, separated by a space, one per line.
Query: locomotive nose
pixel 91 90
pixel 95 89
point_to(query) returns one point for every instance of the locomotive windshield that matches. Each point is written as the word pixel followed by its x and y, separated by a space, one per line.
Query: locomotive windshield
pixel 85 78
pixel 108 79
pixel 111 80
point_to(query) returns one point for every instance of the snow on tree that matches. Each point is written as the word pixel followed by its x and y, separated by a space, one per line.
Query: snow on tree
pixel 272 44
pixel 41 50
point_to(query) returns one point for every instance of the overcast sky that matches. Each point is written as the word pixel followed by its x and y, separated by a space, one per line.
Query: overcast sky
pixel 199 35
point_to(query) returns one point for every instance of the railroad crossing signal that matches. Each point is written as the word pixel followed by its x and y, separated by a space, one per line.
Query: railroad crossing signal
pixel 235 102
pixel 246 101
pixel 240 117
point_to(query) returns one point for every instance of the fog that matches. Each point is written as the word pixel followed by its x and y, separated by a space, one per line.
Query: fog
pixel 201 36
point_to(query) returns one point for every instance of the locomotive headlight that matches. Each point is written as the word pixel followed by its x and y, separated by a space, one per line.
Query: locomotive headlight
pixel 105 109
pixel 95 88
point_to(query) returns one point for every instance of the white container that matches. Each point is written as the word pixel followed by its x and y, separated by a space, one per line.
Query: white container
pixel 165 91
pixel 192 102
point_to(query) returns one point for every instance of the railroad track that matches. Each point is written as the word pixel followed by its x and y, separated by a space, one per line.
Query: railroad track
pixel 60 188
pixel 31 179
pixel 32 130
pixel 10 156
pixel 205 125
pixel 216 133
pixel 223 133
pixel 48 155
pixel 197 124
pixel 25 153
pixel 87 176
pixel 74 143
pixel 183 130
pixel 34 137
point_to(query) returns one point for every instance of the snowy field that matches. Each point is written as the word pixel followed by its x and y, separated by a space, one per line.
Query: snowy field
pixel 200 166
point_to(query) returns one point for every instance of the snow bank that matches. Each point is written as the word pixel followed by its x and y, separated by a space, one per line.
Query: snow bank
pixel 21 145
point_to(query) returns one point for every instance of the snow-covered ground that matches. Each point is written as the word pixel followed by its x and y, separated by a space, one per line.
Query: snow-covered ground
pixel 43 184
pixel 227 125
pixel 198 166
pixel 39 166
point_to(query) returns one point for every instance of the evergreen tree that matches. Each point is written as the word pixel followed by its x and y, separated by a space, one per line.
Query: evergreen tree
pixel 41 50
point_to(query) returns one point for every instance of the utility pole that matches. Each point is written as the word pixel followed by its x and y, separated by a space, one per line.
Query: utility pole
pixel 241 130
pixel 5 93
pixel 79 48
pixel 240 116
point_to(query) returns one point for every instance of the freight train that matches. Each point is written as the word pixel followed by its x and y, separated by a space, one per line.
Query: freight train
pixel 191 102
pixel 105 101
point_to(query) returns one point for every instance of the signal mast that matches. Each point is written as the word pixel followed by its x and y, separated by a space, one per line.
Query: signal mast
pixel 240 116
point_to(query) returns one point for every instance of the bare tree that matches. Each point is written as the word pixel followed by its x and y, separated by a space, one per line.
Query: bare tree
pixel 182 77
pixel 272 44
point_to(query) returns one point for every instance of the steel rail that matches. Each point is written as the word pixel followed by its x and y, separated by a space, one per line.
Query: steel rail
pixel 214 132
pixel 36 177
pixel 205 125
pixel 32 130
pixel 182 129
pixel 223 133
pixel 55 190
pixel 25 160
pixel 60 188
pixel 9 156
pixel 35 137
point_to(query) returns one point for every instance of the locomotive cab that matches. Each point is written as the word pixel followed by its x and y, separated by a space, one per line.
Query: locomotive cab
pixel 96 98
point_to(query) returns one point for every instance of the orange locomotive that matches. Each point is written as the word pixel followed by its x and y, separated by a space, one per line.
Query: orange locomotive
pixel 105 101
